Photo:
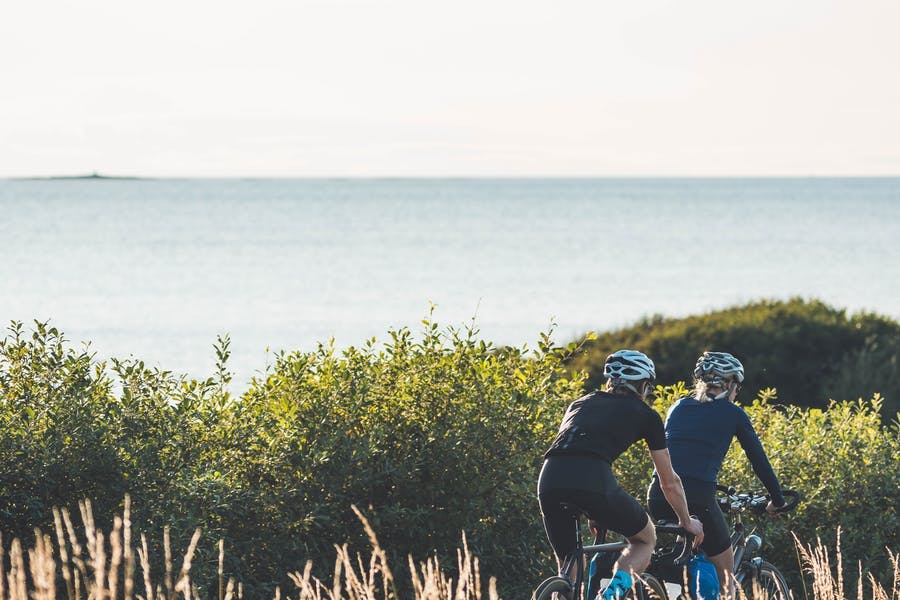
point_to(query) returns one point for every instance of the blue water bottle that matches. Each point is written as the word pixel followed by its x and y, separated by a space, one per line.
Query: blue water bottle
pixel 703 581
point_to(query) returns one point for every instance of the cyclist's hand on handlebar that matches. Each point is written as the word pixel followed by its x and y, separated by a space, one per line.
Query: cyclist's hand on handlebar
pixel 694 527
pixel 594 527
pixel 772 509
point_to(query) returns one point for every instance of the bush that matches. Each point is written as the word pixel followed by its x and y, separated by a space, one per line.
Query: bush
pixel 432 437
pixel 808 350
pixel 55 443
pixel 428 434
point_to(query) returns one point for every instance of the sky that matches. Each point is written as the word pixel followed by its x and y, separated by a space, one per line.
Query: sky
pixel 304 88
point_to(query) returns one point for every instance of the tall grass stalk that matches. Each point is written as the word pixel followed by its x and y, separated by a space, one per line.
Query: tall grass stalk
pixel 93 566
pixel 827 582
pixel 109 570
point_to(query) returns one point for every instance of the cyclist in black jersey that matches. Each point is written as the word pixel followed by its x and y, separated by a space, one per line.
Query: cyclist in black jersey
pixel 699 430
pixel 577 470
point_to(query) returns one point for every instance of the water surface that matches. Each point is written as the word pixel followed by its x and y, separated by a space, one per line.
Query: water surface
pixel 157 268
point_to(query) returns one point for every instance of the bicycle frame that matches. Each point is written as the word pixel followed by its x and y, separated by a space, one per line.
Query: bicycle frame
pixel 744 544
pixel 580 553
pixel 677 556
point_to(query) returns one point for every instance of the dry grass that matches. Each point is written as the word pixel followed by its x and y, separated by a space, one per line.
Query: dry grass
pixel 93 566
pixel 827 582
pixel 96 567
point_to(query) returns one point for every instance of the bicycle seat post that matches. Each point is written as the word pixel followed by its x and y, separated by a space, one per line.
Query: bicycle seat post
pixel 577 553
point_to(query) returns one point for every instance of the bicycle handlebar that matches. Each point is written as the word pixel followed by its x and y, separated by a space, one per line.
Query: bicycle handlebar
pixel 792 499
pixel 685 555
pixel 757 502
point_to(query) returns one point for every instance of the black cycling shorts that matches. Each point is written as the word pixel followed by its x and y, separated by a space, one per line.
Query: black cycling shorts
pixel 587 485
pixel 701 499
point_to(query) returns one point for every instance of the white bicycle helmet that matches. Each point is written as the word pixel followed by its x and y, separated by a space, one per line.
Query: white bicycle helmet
pixel 629 365
pixel 718 367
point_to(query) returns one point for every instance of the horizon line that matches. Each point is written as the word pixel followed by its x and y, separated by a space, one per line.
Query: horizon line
pixel 98 176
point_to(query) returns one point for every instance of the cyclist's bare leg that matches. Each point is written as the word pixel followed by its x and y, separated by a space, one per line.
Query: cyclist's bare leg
pixel 636 556
pixel 724 563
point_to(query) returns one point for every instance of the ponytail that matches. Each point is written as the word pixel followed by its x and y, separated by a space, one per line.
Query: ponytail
pixel 623 387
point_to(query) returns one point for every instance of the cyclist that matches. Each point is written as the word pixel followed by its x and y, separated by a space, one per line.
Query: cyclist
pixel 595 430
pixel 699 430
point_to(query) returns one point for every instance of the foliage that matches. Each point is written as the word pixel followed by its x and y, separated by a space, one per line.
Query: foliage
pixel 55 443
pixel 809 351
pixel 432 436
pixel 429 434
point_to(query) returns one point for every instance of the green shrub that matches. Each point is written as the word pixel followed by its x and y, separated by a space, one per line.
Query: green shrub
pixel 808 350
pixel 54 440
pixel 428 434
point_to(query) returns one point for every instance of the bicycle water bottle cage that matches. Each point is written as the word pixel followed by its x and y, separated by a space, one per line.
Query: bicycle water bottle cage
pixel 754 567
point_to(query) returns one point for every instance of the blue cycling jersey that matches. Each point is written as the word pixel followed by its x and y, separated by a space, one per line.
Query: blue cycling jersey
pixel 698 435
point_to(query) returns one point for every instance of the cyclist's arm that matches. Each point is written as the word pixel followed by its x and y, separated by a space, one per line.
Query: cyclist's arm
pixel 753 448
pixel 670 483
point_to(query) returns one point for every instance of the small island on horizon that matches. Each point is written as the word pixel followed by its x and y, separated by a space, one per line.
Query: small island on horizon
pixel 92 176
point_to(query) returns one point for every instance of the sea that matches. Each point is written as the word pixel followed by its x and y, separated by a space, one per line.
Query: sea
pixel 156 269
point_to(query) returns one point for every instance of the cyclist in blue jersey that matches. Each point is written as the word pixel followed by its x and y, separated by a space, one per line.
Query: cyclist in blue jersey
pixel 699 430
pixel 577 473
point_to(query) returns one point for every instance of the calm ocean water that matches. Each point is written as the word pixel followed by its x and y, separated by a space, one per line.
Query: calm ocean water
pixel 157 268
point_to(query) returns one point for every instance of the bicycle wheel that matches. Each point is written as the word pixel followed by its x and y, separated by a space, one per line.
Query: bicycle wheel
pixel 769 584
pixel 649 588
pixel 553 588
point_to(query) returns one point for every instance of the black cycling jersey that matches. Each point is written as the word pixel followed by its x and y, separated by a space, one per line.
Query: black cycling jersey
pixel 576 475
pixel 605 425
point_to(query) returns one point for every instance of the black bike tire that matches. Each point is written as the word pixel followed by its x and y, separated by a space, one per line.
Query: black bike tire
pixel 767 572
pixel 553 585
pixel 650 588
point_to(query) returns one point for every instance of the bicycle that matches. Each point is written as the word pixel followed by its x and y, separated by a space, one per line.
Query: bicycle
pixel 757 578
pixel 647 586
